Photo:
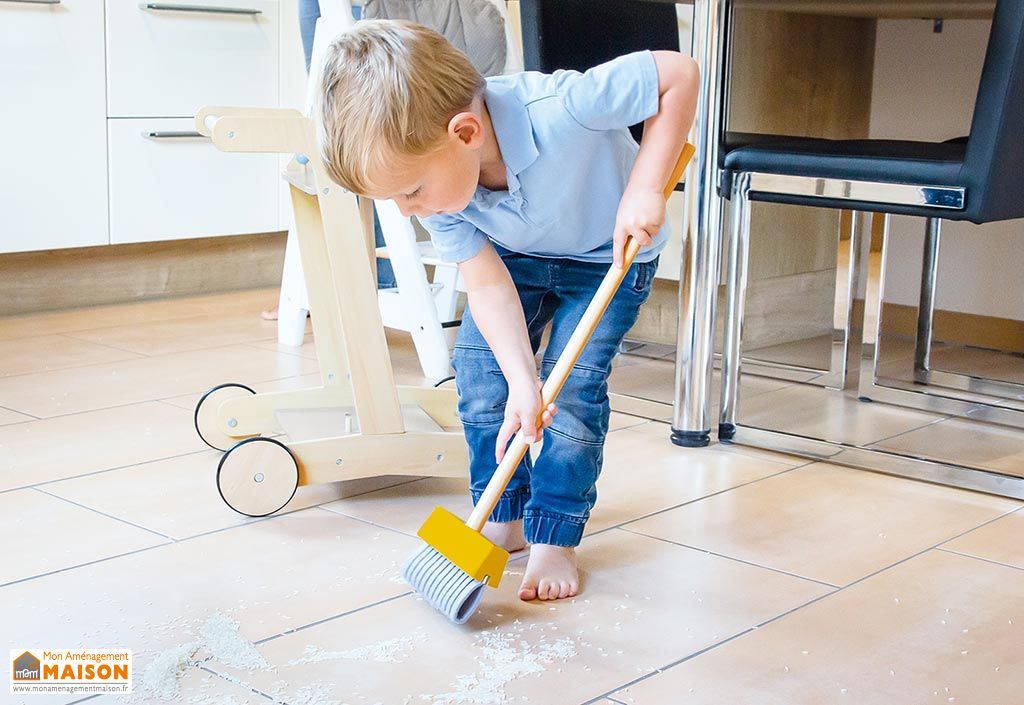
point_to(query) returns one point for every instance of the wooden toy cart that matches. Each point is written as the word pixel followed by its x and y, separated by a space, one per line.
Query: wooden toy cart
pixel 358 422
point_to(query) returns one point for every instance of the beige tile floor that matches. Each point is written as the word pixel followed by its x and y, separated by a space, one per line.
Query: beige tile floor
pixel 718 575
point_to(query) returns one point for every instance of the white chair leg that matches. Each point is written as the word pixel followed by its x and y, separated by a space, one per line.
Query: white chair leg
pixel 414 309
pixel 447 298
pixel 293 303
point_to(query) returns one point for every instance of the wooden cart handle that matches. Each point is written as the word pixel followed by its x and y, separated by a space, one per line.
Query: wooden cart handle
pixel 570 354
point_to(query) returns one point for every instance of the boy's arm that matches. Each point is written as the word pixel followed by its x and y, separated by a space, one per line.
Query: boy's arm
pixel 642 209
pixel 498 313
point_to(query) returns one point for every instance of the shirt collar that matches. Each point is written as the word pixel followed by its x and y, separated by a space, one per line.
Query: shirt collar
pixel 512 128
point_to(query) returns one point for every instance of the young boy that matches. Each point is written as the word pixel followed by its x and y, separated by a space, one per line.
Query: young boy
pixel 531 183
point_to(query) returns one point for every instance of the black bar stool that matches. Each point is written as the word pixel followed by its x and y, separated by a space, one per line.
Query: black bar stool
pixel 976 179
pixel 580 34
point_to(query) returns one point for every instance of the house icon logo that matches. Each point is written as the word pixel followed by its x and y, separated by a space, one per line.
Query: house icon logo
pixel 26 668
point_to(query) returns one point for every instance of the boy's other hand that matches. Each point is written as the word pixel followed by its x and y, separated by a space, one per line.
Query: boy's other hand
pixel 641 214
pixel 522 410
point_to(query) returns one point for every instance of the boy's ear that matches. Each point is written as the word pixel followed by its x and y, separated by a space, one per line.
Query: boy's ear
pixel 468 128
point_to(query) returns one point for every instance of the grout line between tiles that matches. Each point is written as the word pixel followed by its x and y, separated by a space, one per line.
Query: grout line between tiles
pixel 167 401
pixel 936 546
pixel 733 558
pixel 664 668
pixel 248 383
pixel 146 401
pixel 730 448
pixel 294 352
pixel 227 678
pixel 268 334
pixel 980 558
pixel 31 417
pixel 248 343
pixel 149 358
pixel 86 699
pixel 708 496
pixel 81 565
pixel 99 408
pixel 249 521
pixel 205 300
pixel 318 622
pixel 72 336
pixel 903 433
pixel 367 521
pixel 82 367
pixel 109 516
pixel 98 472
pixel 737 635
pixel 254 520
pixel 640 421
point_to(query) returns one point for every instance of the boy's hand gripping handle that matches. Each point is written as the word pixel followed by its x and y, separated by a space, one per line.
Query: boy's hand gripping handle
pixel 570 354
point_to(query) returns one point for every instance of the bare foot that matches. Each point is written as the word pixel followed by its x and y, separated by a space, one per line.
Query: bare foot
pixel 270 315
pixel 551 573
pixel 509 535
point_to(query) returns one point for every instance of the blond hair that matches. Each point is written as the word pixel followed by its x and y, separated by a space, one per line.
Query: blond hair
pixel 388 89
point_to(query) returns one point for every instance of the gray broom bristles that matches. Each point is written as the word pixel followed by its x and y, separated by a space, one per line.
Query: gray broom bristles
pixel 448 588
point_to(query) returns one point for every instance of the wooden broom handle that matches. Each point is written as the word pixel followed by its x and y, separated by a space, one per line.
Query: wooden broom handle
pixel 570 354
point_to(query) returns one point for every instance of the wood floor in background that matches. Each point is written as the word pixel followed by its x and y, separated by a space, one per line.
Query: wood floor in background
pixel 716 575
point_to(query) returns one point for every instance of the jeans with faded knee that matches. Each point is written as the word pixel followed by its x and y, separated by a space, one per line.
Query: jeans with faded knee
pixel 554 493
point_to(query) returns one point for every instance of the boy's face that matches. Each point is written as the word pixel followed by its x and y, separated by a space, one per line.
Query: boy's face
pixel 443 181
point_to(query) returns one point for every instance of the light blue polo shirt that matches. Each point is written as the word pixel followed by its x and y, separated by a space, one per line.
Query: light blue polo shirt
pixel 568 156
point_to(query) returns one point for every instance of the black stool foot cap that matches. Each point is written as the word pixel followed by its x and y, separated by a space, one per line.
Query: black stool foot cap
pixel 726 431
pixel 691 439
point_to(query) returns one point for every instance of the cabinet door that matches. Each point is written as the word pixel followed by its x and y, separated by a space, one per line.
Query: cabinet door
pixel 53 184
pixel 166 186
pixel 169 58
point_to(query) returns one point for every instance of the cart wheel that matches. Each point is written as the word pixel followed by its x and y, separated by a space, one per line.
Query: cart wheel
pixel 257 477
pixel 208 426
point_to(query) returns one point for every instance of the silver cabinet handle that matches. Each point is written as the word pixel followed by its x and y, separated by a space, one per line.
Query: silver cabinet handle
pixel 199 8
pixel 173 135
pixel 35 2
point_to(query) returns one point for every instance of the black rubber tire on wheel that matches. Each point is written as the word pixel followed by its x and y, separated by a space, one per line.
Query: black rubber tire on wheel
pixel 205 413
pixel 258 476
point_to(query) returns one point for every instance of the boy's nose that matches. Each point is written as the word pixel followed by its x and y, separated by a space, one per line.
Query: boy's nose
pixel 408 210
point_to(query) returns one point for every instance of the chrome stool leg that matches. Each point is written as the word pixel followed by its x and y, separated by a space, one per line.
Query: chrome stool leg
pixel 924 371
pixel 847 269
pixel 873 318
pixel 878 459
pixel 842 355
pixel 930 397
pixel 736 291
pixel 926 308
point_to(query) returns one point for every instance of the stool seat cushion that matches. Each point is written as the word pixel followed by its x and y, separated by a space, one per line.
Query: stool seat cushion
pixel 890 161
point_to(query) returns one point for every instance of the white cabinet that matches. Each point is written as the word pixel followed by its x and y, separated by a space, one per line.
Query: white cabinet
pixel 82 80
pixel 53 184
pixel 168 59
pixel 166 185
pixel 165 60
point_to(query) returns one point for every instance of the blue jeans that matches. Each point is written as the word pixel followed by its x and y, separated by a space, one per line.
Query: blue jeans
pixel 309 12
pixel 555 494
